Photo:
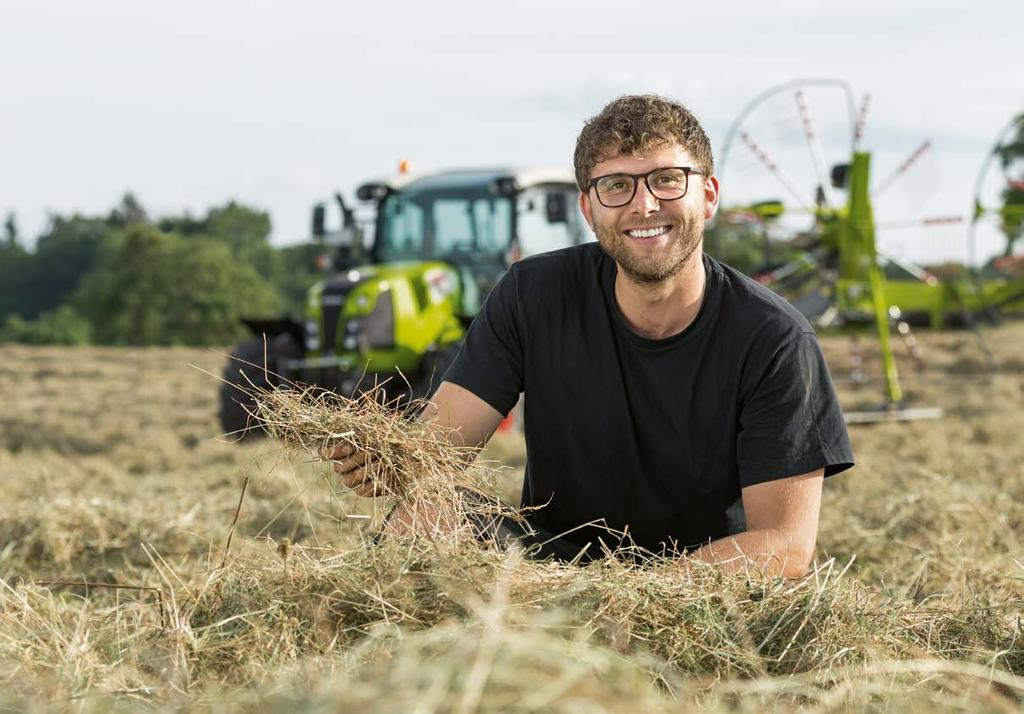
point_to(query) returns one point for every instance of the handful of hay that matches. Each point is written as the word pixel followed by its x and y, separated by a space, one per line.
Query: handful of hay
pixel 416 464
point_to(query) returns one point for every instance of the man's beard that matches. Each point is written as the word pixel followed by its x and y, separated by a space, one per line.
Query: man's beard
pixel 688 235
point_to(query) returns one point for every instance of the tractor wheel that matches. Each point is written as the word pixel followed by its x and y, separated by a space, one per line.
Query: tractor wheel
pixel 253 365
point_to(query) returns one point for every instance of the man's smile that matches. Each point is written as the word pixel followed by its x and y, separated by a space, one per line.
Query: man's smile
pixel 647 233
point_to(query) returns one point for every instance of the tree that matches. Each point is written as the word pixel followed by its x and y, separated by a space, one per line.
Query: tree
pixel 61 326
pixel 741 245
pixel 187 281
pixel 246 233
pixel 11 230
pixel 162 289
pixel 294 271
pixel 244 230
pixel 128 212
pixel 70 249
pixel 1011 214
pixel 14 264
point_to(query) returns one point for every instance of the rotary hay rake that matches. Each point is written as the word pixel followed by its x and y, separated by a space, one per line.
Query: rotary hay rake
pixel 833 269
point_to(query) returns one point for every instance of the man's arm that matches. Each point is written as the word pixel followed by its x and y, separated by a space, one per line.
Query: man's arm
pixel 469 419
pixel 782 523
pixel 464 418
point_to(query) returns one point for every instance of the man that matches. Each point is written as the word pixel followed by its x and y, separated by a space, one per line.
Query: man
pixel 667 396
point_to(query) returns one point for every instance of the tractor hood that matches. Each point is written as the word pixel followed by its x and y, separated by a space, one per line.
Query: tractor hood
pixel 395 307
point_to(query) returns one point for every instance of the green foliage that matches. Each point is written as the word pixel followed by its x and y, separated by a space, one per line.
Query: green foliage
pixel 70 249
pixel 740 245
pixel 60 326
pixel 123 278
pixel 1011 214
pixel 129 212
pixel 14 264
pixel 293 272
pixel 10 229
pixel 244 231
pixel 162 289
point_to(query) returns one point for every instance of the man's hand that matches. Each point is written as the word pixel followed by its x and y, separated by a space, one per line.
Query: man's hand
pixel 464 418
pixel 354 469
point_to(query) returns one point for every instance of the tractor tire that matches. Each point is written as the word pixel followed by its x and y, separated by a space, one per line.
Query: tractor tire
pixel 246 372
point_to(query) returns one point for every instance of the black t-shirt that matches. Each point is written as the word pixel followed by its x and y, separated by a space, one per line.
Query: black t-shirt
pixel 654 438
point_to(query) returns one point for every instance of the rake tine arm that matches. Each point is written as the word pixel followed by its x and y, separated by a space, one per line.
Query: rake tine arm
pixel 776 171
pixel 814 145
pixel 901 169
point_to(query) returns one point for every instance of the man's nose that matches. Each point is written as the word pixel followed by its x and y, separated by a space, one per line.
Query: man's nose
pixel 644 202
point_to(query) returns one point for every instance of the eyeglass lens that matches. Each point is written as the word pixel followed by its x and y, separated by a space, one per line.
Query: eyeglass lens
pixel 618 189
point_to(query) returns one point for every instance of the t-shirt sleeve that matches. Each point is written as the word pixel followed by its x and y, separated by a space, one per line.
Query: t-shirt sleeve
pixel 490 361
pixel 791 423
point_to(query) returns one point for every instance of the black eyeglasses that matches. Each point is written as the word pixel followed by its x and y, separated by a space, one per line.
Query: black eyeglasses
pixel 665 184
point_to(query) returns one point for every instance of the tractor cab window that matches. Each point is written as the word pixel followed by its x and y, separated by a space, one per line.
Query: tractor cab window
pixel 548 219
pixel 466 227
pixel 454 228
pixel 400 236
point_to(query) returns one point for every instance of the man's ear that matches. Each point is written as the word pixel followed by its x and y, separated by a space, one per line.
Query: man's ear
pixel 711 195
pixel 585 209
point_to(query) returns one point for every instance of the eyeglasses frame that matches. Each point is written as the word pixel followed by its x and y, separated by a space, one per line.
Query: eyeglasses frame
pixel 687 170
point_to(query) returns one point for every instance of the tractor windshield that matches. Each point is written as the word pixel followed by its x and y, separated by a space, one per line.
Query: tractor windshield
pixel 453 227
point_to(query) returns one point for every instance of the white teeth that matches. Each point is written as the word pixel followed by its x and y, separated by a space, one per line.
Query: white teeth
pixel 648 232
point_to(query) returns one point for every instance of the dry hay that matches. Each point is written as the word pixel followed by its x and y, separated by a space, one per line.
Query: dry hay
pixel 414 466
pixel 694 620
pixel 410 620
pixel 927 616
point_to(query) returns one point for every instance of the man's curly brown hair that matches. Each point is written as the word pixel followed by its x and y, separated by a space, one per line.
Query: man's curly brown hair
pixel 635 123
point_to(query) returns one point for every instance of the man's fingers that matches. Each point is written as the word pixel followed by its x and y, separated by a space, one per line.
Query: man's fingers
pixel 343 466
pixel 356 469
pixel 368 482
pixel 337 451
pixel 354 478
pixel 364 480
pixel 366 489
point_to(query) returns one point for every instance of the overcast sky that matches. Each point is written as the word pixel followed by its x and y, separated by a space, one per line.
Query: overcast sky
pixel 275 104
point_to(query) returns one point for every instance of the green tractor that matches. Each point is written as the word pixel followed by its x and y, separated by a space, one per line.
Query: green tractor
pixel 391 313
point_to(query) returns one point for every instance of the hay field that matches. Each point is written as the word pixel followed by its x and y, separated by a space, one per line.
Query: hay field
pixel 116 592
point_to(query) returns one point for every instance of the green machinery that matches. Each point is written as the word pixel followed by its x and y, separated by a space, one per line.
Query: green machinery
pixel 391 312
pixel 833 270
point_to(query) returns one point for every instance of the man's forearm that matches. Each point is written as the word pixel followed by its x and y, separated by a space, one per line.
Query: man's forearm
pixel 769 550
pixel 462 417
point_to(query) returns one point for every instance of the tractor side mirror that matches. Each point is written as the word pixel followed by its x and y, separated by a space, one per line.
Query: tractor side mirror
pixel 556 207
pixel 318 220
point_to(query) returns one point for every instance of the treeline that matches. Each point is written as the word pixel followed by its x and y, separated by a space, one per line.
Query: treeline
pixel 128 279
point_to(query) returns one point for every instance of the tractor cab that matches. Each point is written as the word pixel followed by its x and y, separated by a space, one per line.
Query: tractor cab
pixel 476 221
